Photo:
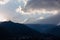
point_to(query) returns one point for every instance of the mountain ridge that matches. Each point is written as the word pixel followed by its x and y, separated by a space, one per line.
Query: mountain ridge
pixel 13 31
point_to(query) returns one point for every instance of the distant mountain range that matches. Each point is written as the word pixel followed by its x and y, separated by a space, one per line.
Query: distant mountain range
pixel 46 28
pixel 42 28
pixel 15 31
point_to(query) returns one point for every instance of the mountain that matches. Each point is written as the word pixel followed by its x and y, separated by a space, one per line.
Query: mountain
pixel 42 28
pixel 15 31
pixel 55 31
pixel 10 29
pixel 46 29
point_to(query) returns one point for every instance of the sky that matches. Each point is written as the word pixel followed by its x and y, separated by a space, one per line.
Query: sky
pixel 21 11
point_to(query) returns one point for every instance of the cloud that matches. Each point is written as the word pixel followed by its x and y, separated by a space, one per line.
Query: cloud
pixel 3 17
pixel 24 2
pixel 50 20
pixel 40 11
pixel 39 7
pixel 27 10
pixel 38 4
pixel 2 2
pixel 40 18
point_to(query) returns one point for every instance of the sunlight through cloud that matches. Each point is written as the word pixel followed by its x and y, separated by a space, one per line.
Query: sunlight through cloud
pixel 40 18
pixel 40 11
pixel 3 18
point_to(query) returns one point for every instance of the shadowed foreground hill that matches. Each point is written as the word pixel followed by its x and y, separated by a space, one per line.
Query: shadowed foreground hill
pixel 15 31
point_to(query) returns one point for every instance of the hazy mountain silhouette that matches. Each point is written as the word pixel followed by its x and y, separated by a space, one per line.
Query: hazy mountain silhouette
pixel 42 28
pixel 49 29
pixel 15 31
